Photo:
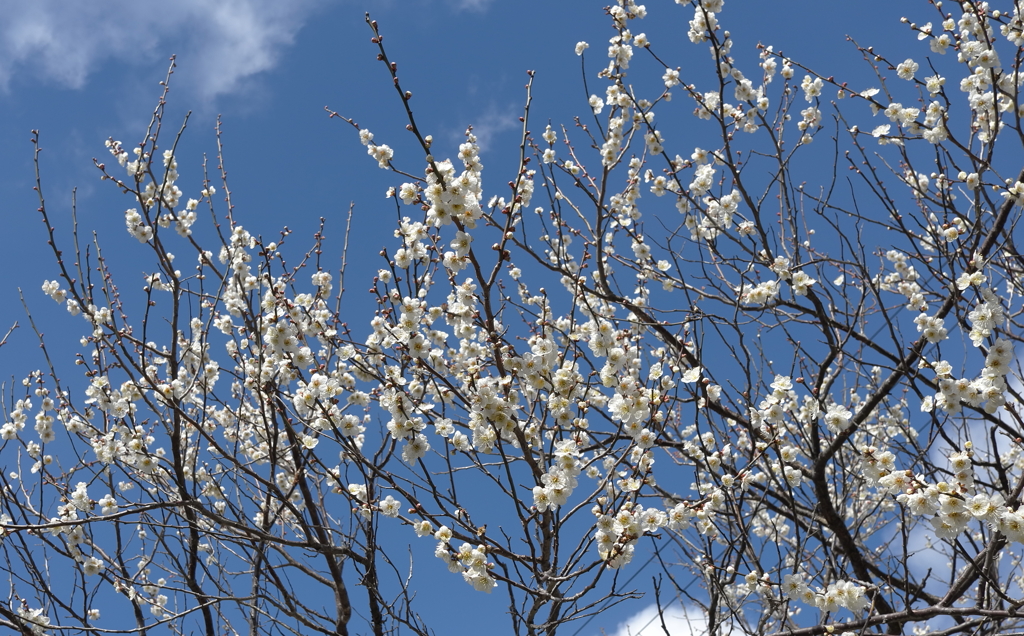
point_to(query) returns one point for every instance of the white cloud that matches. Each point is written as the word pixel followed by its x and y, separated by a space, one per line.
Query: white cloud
pixel 489 124
pixel 681 620
pixel 219 44
pixel 472 5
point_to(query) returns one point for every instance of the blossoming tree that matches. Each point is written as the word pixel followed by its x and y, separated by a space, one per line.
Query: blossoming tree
pixel 785 392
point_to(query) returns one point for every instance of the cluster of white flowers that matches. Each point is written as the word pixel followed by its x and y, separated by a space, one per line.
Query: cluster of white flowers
pixel 166 192
pixel 934 128
pixel 753 102
pixel 616 131
pixel 987 390
pixel 949 505
pixel 903 281
pixel 931 327
pixel 135 168
pixel 137 226
pixel 470 561
pixel 937 42
pixel 620 52
pixel 17 420
pixel 382 153
pixel 37 620
pixel 704 20
pixel 452 196
pixel 760 294
pixel 801 283
pixel 986 316
pixel 838 594
pixel 811 87
pixel 157 599
pixel 561 477
pixel 617 534
pixel 718 212
pixel 624 205
pixel 810 120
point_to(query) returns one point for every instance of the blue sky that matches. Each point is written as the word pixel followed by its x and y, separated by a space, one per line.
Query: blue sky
pixel 83 72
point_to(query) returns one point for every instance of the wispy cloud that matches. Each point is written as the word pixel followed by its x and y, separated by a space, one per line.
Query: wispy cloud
pixel 680 620
pixel 471 5
pixel 221 44
pixel 489 124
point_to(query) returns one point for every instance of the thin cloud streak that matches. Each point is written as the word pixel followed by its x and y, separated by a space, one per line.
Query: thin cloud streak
pixel 472 5
pixel 219 46
pixel 490 124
